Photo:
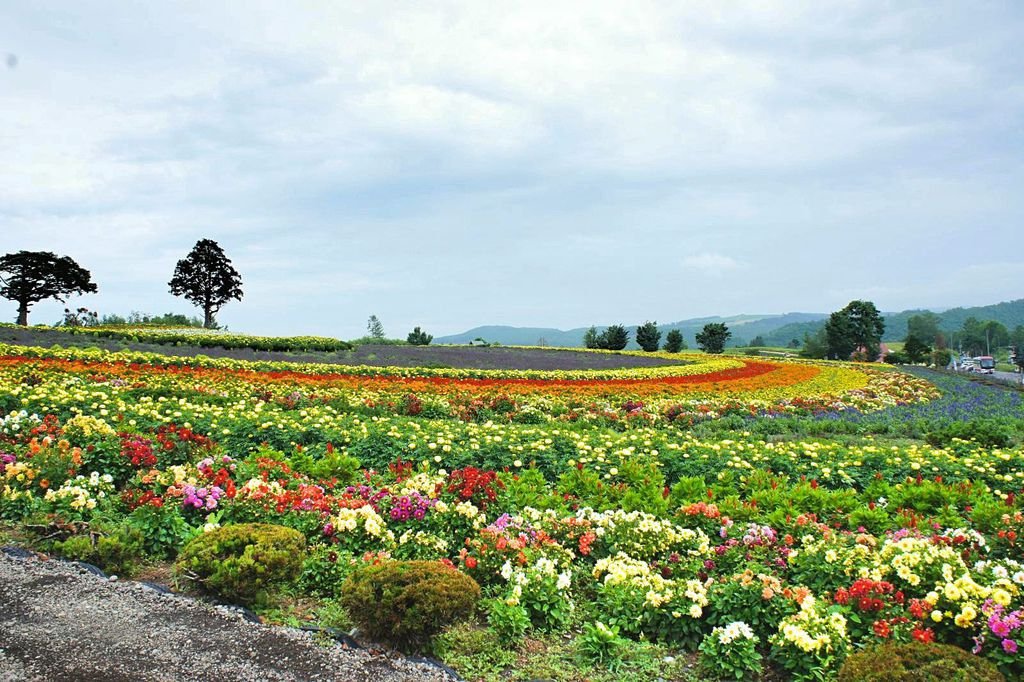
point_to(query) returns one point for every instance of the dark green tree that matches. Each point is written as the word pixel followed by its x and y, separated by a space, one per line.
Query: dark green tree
pixel 375 328
pixel 857 327
pixel 674 341
pixel 1017 336
pixel 756 342
pixel 793 343
pixel 925 326
pixel 206 278
pixel 648 337
pixel 614 337
pixel 417 337
pixel 815 345
pixel 28 277
pixel 591 339
pixel 712 338
pixel 915 349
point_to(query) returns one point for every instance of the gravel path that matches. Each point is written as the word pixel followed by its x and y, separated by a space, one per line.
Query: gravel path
pixel 59 622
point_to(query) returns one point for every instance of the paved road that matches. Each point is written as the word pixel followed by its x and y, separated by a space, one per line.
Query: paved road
pixel 1012 377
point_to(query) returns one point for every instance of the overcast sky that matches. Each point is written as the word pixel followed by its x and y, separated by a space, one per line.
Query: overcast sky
pixel 548 163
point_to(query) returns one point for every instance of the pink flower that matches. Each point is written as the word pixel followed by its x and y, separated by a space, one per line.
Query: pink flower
pixel 1010 646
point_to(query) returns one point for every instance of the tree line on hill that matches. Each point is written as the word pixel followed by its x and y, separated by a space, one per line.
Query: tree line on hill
pixel 711 339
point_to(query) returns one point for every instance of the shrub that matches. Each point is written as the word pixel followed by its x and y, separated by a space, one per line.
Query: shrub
pixel 406 603
pixel 601 645
pixel 712 338
pixel 614 337
pixel 509 621
pixel 648 337
pixel 419 338
pixel 243 562
pixel 116 553
pixel 730 653
pixel 917 662
pixel 986 432
pixel 674 341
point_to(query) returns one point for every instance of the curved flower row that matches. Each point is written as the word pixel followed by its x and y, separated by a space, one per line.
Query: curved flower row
pixel 693 391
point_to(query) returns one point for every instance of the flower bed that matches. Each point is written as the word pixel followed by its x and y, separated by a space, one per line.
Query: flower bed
pixel 582 504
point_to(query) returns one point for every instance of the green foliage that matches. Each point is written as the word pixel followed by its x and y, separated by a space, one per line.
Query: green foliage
pixel 917 662
pixel 476 653
pixel 601 645
pixel 324 571
pixel 417 337
pixel 925 326
pixel 243 562
pixel 136 318
pixel 674 341
pixel 591 339
pixel 730 653
pixel 916 349
pixel 509 621
pixel 756 342
pixel 987 432
pixel 713 337
pixel 981 336
pixel 815 345
pixel 614 337
pixel 206 278
pixel 406 603
pixel 116 551
pixel 857 326
pixel 28 277
pixel 648 336
pixel 374 328
pixel 164 529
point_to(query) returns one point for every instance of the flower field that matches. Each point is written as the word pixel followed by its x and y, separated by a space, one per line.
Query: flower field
pixel 737 515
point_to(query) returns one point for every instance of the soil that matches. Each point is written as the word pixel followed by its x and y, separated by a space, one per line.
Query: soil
pixel 461 357
pixel 60 622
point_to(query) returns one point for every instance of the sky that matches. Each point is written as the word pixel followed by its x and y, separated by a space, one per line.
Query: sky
pixel 550 164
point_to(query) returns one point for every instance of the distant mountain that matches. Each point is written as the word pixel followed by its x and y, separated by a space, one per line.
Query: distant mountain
pixel 776 330
pixel 1009 313
pixel 744 328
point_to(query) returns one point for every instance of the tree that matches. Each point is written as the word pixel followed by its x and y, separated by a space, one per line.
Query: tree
pixel 648 336
pixel 591 339
pixel 374 328
pixel 674 341
pixel 206 278
pixel 614 337
pixel 925 326
pixel 815 345
pixel 757 342
pixel 857 327
pixel 793 343
pixel 915 349
pixel 419 338
pixel 28 277
pixel 712 338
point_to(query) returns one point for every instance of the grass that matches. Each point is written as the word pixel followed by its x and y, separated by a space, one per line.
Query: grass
pixel 478 655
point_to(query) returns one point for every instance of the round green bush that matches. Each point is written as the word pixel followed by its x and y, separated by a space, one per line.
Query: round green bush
pixel 243 562
pixel 406 603
pixel 918 662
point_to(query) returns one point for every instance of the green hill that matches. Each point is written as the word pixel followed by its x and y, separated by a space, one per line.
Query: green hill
pixel 776 330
